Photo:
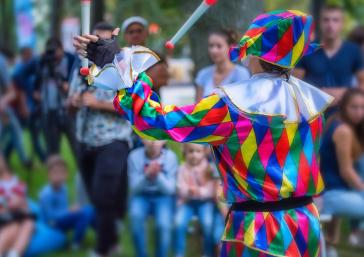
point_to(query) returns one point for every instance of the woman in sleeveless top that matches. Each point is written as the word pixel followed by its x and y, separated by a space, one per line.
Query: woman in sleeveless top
pixel 223 71
pixel 342 146
pixel 264 132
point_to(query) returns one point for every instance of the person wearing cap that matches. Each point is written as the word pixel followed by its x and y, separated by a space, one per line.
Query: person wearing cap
pixel 135 31
pixel 265 134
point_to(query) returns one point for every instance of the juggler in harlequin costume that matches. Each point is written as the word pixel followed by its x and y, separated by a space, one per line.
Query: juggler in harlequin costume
pixel 264 132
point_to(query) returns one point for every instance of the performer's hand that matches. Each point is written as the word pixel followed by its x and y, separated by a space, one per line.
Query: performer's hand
pixel 99 51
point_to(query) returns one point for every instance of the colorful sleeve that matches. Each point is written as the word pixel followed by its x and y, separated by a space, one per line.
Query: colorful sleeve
pixel 208 121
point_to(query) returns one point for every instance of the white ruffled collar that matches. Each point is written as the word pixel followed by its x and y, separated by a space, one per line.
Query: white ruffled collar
pixel 271 95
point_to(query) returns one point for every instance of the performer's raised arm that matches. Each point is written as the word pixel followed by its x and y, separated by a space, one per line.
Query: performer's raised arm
pixel 208 121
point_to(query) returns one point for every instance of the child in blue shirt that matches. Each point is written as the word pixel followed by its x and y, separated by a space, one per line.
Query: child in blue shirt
pixel 55 205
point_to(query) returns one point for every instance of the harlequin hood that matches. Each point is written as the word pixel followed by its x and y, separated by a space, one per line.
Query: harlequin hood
pixel 278 37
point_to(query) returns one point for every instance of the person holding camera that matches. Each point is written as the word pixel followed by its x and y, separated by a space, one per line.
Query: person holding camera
pixel 51 86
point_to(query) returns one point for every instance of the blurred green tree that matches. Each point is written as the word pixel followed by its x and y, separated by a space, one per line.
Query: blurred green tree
pixel 7 25
pixel 231 14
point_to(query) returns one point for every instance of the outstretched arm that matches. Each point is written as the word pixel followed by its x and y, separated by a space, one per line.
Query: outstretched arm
pixel 208 121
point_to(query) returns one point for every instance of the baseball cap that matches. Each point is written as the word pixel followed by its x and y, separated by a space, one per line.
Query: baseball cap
pixel 133 19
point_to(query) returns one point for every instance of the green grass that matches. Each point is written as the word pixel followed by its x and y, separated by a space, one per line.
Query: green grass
pixel 37 177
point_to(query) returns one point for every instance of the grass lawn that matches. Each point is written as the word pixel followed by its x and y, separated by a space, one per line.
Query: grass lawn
pixel 36 177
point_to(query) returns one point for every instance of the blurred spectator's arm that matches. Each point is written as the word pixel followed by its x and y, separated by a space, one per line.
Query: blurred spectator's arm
pixel 343 139
pixel 38 81
pixel 358 67
pixel 89 100
pixel 336 92
pixel 45 202
pixel 182 185
pixel 166 180
pixel 207 190
pixel 199 93
pixel 360 78
pixel 137 179
pixel 7 98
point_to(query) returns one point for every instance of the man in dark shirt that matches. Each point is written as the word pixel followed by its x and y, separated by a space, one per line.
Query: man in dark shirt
pixel 336 65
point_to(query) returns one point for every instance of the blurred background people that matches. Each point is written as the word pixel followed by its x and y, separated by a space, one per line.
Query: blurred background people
pixel 16 221
pixel 103 140
pixel 152 179
pixel 223 71
pixel 195 193
pixel 51 87
pixel 24 80
pixel 135 30
pixel 55 207
pixel 333 66
pixel 11 134
pixel 342 146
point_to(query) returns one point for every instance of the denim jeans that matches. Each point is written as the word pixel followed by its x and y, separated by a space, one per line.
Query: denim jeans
pixel 185 212
pixel 160 207
pixel 340 202
pixel 78 221
pixel 11 136
pixel 219 226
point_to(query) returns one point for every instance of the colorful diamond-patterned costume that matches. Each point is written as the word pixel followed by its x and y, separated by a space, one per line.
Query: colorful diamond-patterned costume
pixel 265 135
pixel 260 157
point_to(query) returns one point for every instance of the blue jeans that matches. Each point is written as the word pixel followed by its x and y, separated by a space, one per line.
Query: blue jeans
pixel 185 212
pixel 11 136
pixel 79 221
pixel 219 226
pixel 348 203
pixel 161 209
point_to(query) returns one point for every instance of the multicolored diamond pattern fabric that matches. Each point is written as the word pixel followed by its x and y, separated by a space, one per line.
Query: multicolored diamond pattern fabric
pixel 279 37
pixel 259 157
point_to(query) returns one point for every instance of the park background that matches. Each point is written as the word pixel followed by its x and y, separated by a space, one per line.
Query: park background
pixel 39 19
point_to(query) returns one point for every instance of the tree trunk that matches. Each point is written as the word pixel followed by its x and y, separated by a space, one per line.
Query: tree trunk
pixel 98 9
pixel 234 14
pixel 57 8
pixel 316 6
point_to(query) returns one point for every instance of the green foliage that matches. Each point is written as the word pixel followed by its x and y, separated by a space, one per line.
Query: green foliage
pixel 355 8
pixel 303 5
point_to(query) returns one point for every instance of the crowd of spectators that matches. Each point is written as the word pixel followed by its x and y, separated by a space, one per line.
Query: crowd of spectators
pixel 122 175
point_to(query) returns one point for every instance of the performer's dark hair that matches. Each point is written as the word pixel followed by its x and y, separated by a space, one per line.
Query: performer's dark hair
pixel 344 102
pixel 103 25
pixel 232 37
pixel 275 69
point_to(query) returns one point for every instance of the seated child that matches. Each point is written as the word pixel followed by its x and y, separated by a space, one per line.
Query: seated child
pixel 16 221
pixel 152 181
pixel 55 205
pixel 195 190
